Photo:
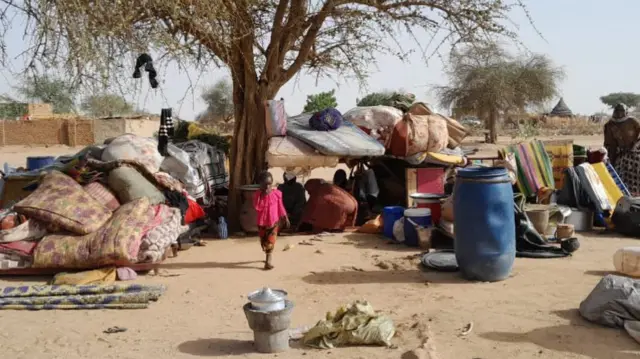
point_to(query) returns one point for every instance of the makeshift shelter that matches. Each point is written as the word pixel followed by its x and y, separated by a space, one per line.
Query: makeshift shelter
pixel 561 110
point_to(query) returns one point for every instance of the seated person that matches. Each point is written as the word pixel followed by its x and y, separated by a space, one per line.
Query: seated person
pixel 363 186
pixel 294 197
pixel 340 179
pixel 329 208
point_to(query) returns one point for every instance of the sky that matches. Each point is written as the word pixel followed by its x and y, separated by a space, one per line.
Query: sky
pixel 593 41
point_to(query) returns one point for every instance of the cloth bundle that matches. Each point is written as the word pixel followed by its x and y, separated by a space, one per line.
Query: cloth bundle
pixel 146 61
pixel 326 120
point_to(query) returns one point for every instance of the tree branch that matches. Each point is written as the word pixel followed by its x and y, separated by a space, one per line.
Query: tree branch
pixel 309 39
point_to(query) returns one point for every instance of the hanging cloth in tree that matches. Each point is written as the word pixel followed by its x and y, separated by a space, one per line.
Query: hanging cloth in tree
pixel 146 61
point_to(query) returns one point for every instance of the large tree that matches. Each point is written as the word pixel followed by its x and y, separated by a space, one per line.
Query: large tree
pixel 629 99
pixel 488 82
pixel 263 43
pixel 320 101
pixel 104 105
pixel 56 91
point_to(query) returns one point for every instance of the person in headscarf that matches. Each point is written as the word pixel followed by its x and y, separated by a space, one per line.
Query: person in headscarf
pixel 340 179
pixel 294 197
pixel 330 208
pixel 621 140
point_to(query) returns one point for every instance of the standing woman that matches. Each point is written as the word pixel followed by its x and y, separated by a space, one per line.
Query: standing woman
pixel 621 140
pixel 271 215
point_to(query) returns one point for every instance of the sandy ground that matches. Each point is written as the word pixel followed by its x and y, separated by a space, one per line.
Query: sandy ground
pixel 531 315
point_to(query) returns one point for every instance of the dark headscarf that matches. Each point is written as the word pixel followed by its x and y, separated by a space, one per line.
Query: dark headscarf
pixel 619 111
pixel 340 178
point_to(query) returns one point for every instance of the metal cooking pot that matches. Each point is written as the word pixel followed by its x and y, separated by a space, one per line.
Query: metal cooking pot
pixel 268 300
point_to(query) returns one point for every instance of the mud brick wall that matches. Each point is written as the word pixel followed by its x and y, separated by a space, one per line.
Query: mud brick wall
pixel 70 131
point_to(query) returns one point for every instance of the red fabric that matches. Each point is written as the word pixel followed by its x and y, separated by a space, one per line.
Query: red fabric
pixel 398 145
pixel 329 207
pixel 194 212
pixel 21 248
pixel 269 207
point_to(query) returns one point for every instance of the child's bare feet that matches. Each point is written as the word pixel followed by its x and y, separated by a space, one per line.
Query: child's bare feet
pixel 267 262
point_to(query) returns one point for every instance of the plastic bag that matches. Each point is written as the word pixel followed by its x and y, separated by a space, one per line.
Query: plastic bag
pixel 398 230
pixel 374 117
pixel 178 165
pixel 357 324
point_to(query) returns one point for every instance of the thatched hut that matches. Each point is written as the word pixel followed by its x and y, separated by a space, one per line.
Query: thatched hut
pixel 561 110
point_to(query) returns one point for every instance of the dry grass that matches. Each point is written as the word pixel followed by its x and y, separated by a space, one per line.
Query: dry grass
pixel 572 126
pixel 550 126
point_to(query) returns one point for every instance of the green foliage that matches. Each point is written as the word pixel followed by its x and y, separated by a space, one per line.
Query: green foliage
pixel 375 99
pixel 11 109
pixel 219 100
pixel 106 105
pixel 320 101
pixel 628 99
pixel 526 130
pixel 55 91
pixel 395 99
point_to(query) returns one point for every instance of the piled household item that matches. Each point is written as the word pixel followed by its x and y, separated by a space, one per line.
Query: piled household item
pixel 118 205
pixel 320 139
pixel 535 171
pixel 364 137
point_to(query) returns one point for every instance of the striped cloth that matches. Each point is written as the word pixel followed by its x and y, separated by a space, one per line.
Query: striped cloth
pixel 165 131
pixel 534 167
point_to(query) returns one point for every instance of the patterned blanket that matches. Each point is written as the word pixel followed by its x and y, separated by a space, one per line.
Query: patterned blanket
pixel 116 296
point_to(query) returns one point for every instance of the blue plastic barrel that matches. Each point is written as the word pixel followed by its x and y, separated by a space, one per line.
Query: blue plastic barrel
pixel 484 223
pixel 36 163
pixel 389 216
pixel 415 217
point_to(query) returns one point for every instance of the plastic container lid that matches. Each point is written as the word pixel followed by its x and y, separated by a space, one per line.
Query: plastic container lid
pixel 443 261
pixel 394 209
pixel 417 212
pixel 428 196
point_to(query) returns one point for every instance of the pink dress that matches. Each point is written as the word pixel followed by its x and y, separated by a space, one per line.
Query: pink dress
pixel 269 208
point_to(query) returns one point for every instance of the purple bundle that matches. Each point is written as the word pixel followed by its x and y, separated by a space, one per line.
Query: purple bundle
pixel 326 120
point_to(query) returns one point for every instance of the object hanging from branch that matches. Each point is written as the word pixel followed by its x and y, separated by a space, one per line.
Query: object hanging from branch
pixel 166 126
pixel 146 61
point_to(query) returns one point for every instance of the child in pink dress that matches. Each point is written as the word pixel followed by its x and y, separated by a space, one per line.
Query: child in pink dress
pixel 271 215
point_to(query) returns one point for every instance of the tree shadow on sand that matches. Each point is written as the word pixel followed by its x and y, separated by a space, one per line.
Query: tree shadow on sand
pixel 578 337
pixel 374 241
pixel 359 276
pixel 207 265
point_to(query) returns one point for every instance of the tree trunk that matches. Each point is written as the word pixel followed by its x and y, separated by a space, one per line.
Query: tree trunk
pixel 249 143
pixel 493 125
